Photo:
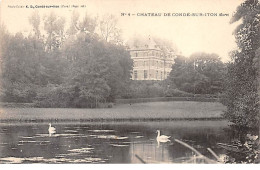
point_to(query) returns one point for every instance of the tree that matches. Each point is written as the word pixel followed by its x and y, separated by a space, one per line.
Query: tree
pixel 22 69
pixel 35 21
pixel 120 68
pixel 79 70
pixel 97 72
pixel 72 30
pixel 201 73
pixel 109 30
pixel 242 98
pixel 211 66
pixel 4 43
pixel 84 29
pixel 54 27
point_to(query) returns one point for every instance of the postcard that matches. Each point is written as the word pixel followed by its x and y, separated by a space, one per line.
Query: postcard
pixel 129 81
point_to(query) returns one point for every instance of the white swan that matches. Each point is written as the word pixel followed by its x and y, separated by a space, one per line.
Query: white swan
pixel 162 138
pixel 51 130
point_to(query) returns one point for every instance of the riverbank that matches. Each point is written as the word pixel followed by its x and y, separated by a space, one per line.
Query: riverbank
pixel 16 105
pixel 198 98
pixel 153 111
pixel 167 99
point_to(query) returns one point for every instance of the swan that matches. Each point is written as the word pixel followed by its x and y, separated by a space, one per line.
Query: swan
pixel 162 138
pixel 51 129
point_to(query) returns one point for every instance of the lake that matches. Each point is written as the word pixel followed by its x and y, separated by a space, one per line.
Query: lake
pixel 110 142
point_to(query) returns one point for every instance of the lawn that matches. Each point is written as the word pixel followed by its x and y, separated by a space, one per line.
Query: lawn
pixel 137 111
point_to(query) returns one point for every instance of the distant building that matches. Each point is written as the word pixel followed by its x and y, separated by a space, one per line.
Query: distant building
pixel 151 61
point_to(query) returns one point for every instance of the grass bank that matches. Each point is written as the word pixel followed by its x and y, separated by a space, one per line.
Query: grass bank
pixel 153 111
pixel 166 99
pixel 16 105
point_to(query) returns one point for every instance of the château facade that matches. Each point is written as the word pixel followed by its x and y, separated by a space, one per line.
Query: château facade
pixel 151 61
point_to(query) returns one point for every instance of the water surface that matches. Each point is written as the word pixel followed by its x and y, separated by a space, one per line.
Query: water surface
pixel 112 142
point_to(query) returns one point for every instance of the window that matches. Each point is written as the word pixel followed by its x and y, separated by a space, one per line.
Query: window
pixel 156 74
pixel 145 74
pixel 136 54
pixel 135 74
pixel 161 75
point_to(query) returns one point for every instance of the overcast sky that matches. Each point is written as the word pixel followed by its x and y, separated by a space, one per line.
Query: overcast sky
pixel 212 34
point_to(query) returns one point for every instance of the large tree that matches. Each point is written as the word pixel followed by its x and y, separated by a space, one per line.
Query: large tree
pixel 35 21
pixel 54 27
pixel 201 73
pixel 242 98
pixel 54 70
pixel 4 42
pixel 22 71
pixel 109 30
pixel 97 72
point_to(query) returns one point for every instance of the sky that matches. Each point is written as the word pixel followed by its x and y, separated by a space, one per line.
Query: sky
pixel 191 34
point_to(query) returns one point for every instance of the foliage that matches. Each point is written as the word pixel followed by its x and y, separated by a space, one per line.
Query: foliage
pixel 151 89
pixel 177 93
pixel 108 29
pixel 65 96
pixel 97 64
pixel 248 151
pixel 4 42
pixel 21 68
pixel 241 96
pixel 200 74
pixel 55 96
pixel 35 21
pixel 78 70
pixel 54 27
pixel 145 89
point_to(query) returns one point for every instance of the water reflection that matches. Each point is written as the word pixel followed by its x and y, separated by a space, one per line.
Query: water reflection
pixel 121 142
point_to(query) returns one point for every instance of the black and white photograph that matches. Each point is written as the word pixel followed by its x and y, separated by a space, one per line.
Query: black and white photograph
pixel 129 82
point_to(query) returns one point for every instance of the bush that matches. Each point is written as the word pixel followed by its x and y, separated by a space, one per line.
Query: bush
pixel 54 96
pixel 177 93
pixel 66 96
pixel 146 89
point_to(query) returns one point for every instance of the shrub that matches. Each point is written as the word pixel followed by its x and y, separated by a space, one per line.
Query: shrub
pixel 177 93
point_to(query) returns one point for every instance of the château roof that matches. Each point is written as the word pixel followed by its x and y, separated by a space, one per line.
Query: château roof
pixel 140 43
